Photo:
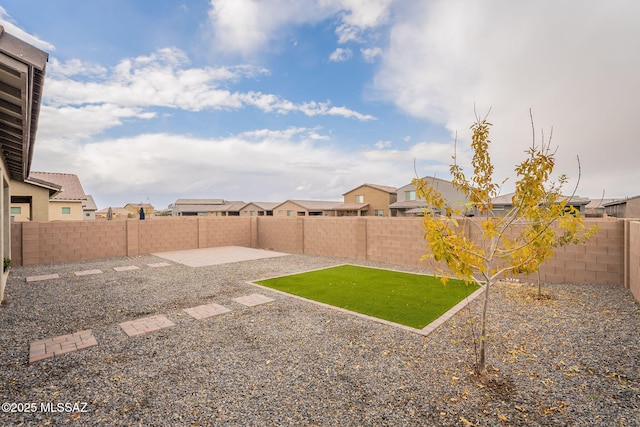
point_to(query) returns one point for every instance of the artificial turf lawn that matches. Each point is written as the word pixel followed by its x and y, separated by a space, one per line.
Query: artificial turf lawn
pixel 413 300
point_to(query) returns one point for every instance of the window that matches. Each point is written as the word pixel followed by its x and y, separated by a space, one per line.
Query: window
pixel 360 199
pixel 289 213
pixel 66 211
pixel 409 195
pixel 16 210
pixel 379 212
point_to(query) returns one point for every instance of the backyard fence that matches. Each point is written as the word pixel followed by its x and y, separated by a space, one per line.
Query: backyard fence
pixel 612 257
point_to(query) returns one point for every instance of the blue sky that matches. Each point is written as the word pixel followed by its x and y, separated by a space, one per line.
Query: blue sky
pixel 297 99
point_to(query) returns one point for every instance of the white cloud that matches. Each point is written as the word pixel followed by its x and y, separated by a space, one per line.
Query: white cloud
pixel 10 27
pixel 340 55
pixel 370 54
pixel 95 98
pixel 571 62
pixel 359 16
pixel 264 164
pixel 382 144
pixel 250 26
pixel 82 122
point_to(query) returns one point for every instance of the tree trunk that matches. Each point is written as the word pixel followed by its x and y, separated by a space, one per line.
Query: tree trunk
pixel 482 365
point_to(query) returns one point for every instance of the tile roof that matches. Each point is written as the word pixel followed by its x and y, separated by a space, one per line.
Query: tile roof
pixel 350 206
pixel 200 202
pixel 90 204
pixel 267 206
pixel 71 189
pixel 315 204
pixel 386 188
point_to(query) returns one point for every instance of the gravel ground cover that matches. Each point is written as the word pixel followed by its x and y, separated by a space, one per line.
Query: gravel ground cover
pixel 572 359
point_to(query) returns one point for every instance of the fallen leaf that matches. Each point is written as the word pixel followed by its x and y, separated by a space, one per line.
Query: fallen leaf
pixel 466 421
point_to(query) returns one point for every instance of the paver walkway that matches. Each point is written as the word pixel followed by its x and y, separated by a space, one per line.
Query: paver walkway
pixel 204 311
pixel 62 344
pixel 146 325
pixel 43 349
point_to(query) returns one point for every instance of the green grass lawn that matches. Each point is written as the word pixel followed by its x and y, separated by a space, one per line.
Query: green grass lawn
pixel 413 300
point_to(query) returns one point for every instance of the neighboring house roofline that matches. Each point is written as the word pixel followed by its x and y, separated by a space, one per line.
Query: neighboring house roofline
pixel 386 188
pixel 53 188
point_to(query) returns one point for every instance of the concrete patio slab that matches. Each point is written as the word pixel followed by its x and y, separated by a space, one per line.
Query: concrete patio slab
pixel 159 264
pixel 204 311
pixel 62 344
pixel 253 299
pixel 214 256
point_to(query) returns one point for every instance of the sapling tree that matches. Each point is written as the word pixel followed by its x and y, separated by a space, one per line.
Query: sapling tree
pixel 500 245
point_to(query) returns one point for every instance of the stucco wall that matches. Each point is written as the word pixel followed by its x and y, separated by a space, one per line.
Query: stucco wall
pixel 375 198
pixel 39 201
pixel 56 209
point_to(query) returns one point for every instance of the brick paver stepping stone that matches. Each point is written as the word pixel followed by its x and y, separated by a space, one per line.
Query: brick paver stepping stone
pixel 145 325
pixel 126 268
pixel 253 299
pixel 159 264
pixel 87 272
pixel 62 344
pixel 204 311
pixel 43 277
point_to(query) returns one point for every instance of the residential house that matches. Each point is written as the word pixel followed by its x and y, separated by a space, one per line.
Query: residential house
pixel 367 200
pixel 258 209
pixel 596 208
pixel 22 70
pixel 30 199
pixel 67 200
pixel 134 208
pixel 504 203
pixel 116 213
pixel 206 207
pixel 89 208
pixel 408 204
pixel 628 207
pixel 293 208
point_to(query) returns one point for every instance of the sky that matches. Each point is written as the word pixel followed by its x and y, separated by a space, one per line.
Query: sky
pixel 270 100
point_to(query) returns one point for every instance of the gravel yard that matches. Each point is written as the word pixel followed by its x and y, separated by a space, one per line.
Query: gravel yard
pixel 573 359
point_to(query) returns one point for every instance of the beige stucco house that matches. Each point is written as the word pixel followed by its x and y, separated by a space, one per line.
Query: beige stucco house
pixel 134 208
pixel 51 196
pixel 294 208
pixel 22 70
pixel 367 200
pixel 258 209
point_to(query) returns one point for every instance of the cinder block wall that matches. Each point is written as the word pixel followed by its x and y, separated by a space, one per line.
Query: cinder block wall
pixel 226 231
pixel 166 234
pixel 396 240
pixel 282 234
pixel 56 242
pixel 634 256
pixel 339 237
pixel 606 259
